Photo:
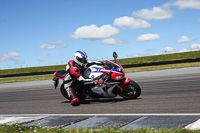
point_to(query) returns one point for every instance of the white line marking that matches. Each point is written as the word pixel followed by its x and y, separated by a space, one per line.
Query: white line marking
pixel 10 119
pixel 18 119
pixel 138 114
pixel 194 126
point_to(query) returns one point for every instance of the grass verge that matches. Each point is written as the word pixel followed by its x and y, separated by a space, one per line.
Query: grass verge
pixel 127 70
pixel 138 60
pixel 32 69
pixel 26 78
pixel 157 58
pixel 162 67
pixel 16 128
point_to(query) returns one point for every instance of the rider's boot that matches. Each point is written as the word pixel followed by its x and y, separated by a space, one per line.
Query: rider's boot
pixel 73 97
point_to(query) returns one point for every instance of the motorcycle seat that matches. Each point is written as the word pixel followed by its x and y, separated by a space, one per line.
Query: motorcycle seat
pixel 61 73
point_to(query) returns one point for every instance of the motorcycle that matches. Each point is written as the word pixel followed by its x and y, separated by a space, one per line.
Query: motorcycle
pixel 114 82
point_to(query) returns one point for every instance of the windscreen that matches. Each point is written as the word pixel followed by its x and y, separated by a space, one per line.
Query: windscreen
pixel 109 65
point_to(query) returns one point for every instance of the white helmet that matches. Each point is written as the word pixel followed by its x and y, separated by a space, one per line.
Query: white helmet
pixel 80 57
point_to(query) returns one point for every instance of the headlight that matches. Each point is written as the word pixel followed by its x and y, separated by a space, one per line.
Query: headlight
pixel 118 77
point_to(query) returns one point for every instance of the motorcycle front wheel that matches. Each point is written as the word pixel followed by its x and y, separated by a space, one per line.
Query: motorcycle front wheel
pixel 132 91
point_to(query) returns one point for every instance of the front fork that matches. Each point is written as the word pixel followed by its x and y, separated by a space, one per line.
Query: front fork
pixel 124 81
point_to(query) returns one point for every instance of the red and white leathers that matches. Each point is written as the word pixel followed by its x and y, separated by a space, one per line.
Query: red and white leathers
pixel 74 74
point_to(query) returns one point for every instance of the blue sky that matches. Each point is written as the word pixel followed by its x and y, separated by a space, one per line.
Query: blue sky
pixel 48 32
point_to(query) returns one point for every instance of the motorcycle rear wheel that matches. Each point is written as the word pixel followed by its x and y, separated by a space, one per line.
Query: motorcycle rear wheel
pixel 64 92
pixel 132 91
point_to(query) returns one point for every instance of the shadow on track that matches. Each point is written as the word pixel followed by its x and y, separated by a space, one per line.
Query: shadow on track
pixel 103 100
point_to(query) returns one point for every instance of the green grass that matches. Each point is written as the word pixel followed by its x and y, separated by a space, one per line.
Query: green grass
pixel 162 67
pixel 127 70
pixel 16 128
pixel 32 69
pixel 177 56
pixel 167 57
pixel 26 78
pixel 157 58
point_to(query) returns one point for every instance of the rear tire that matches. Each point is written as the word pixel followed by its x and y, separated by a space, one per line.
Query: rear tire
pixel 132 91
pixel 64 92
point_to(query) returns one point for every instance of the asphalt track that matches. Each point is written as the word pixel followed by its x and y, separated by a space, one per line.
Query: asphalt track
pixel 171 91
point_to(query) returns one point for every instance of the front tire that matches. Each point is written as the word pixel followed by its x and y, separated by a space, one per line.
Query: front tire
pixel 64 92
pixel 132 91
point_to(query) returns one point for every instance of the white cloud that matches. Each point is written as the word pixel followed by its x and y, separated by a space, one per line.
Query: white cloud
pixel 47 46
pixel 148 37
pixel 183 50
pixel 9 55
pixel 155 54
pixel 195 46
pixel 185 39
pixel 52 45
pixel 191 4
pixel 13 54
pixel 112 41
pixel 131 23
pixel 168 49
pixel 93 32
pixel 156 13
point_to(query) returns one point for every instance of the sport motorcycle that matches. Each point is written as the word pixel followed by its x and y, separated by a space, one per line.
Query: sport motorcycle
pixel 114 82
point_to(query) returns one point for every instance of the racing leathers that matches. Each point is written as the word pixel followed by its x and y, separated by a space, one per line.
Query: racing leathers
pixel 74 75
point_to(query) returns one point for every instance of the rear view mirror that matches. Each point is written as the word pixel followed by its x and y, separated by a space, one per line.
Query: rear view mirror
pixel 115 56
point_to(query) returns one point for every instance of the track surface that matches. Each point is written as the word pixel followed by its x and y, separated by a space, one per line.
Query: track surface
pixel 179 93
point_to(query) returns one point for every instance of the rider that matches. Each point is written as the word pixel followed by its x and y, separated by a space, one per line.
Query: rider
pixel 75 70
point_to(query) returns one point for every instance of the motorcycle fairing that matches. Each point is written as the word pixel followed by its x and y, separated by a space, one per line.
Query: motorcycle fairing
pixel 123 82
pixel 104 90
pixel 93 71
pixel 98 69
pixel 113 67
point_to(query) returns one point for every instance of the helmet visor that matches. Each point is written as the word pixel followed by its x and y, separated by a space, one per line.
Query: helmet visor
pixel 82 60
